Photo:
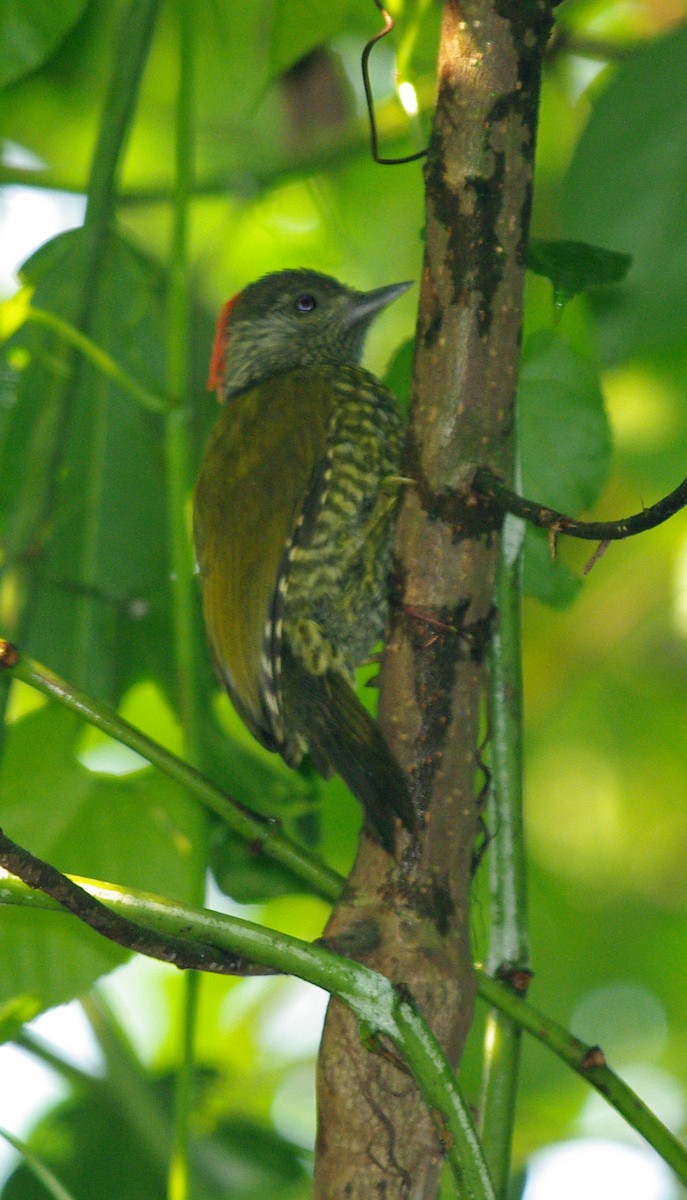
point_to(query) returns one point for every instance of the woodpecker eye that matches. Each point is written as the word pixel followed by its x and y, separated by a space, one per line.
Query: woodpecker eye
pixel 306 303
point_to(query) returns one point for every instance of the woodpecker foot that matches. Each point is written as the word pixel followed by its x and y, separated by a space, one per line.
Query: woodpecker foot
pixel 440 626
pixel 476 635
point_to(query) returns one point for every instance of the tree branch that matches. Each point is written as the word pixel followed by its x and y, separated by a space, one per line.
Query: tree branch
pixel 502 500
pixel 42 876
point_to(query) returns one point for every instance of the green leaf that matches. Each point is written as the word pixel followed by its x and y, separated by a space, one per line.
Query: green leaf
pixel 547 579
pixel 139 831
pixel 50 958
pixel 565 447
pixel 245 875
pixel 626 188
pixel 298 26
pixel 564 437
pixel 30 31
pixel 235 1156
pixel 575 267
pixel 45 1177
pixel 15 1013
pixel 82 482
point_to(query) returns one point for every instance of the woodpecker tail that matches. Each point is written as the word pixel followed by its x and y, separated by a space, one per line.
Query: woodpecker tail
pixel 342 736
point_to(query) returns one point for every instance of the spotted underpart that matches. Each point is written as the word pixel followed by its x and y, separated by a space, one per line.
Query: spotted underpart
pixel 331 599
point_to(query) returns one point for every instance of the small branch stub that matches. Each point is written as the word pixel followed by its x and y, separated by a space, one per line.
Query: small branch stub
pixel 9 654
pixel 594 1057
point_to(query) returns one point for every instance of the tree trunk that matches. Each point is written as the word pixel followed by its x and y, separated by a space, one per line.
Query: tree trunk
pixel 410 919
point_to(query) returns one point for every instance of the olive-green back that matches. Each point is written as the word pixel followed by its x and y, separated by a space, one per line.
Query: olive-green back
pixel 255 478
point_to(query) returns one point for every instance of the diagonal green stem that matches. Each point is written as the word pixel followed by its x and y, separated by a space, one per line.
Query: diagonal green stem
pixel 129 59
pixel 285 954
pixel 38 1169
pixel 589 1063
pixel 98 357
pixel 264 837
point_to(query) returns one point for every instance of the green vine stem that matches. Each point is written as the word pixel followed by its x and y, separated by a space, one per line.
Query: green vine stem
pixel 589 1062
pixel 585 1060
pixel 508 941
pixel 381 1008
pixel 264 837
pixel 179 1175
pixel 184 626
pixel 384 1011
pixel 185 633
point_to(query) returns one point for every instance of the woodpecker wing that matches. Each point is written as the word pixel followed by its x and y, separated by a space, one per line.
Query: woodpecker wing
pixel 262 456
pixel 331 602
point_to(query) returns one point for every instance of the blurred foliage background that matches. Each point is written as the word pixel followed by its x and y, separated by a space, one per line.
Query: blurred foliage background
pixel 283 177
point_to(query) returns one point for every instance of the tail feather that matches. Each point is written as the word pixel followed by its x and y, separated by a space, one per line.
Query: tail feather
pixel 342 735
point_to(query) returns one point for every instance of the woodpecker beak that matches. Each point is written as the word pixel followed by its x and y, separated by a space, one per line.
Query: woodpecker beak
pixel 366 304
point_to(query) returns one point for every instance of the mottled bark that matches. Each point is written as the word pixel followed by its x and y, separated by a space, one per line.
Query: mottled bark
pixel 411 919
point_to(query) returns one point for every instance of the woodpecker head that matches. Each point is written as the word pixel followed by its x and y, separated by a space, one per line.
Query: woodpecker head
pixel 291 319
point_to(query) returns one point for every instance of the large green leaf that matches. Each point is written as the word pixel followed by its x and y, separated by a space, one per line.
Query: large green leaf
pixel 625 189
pixel 563 431
pixel 30 30
pixel 139 831
pixel 82 491
pixel 564 449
